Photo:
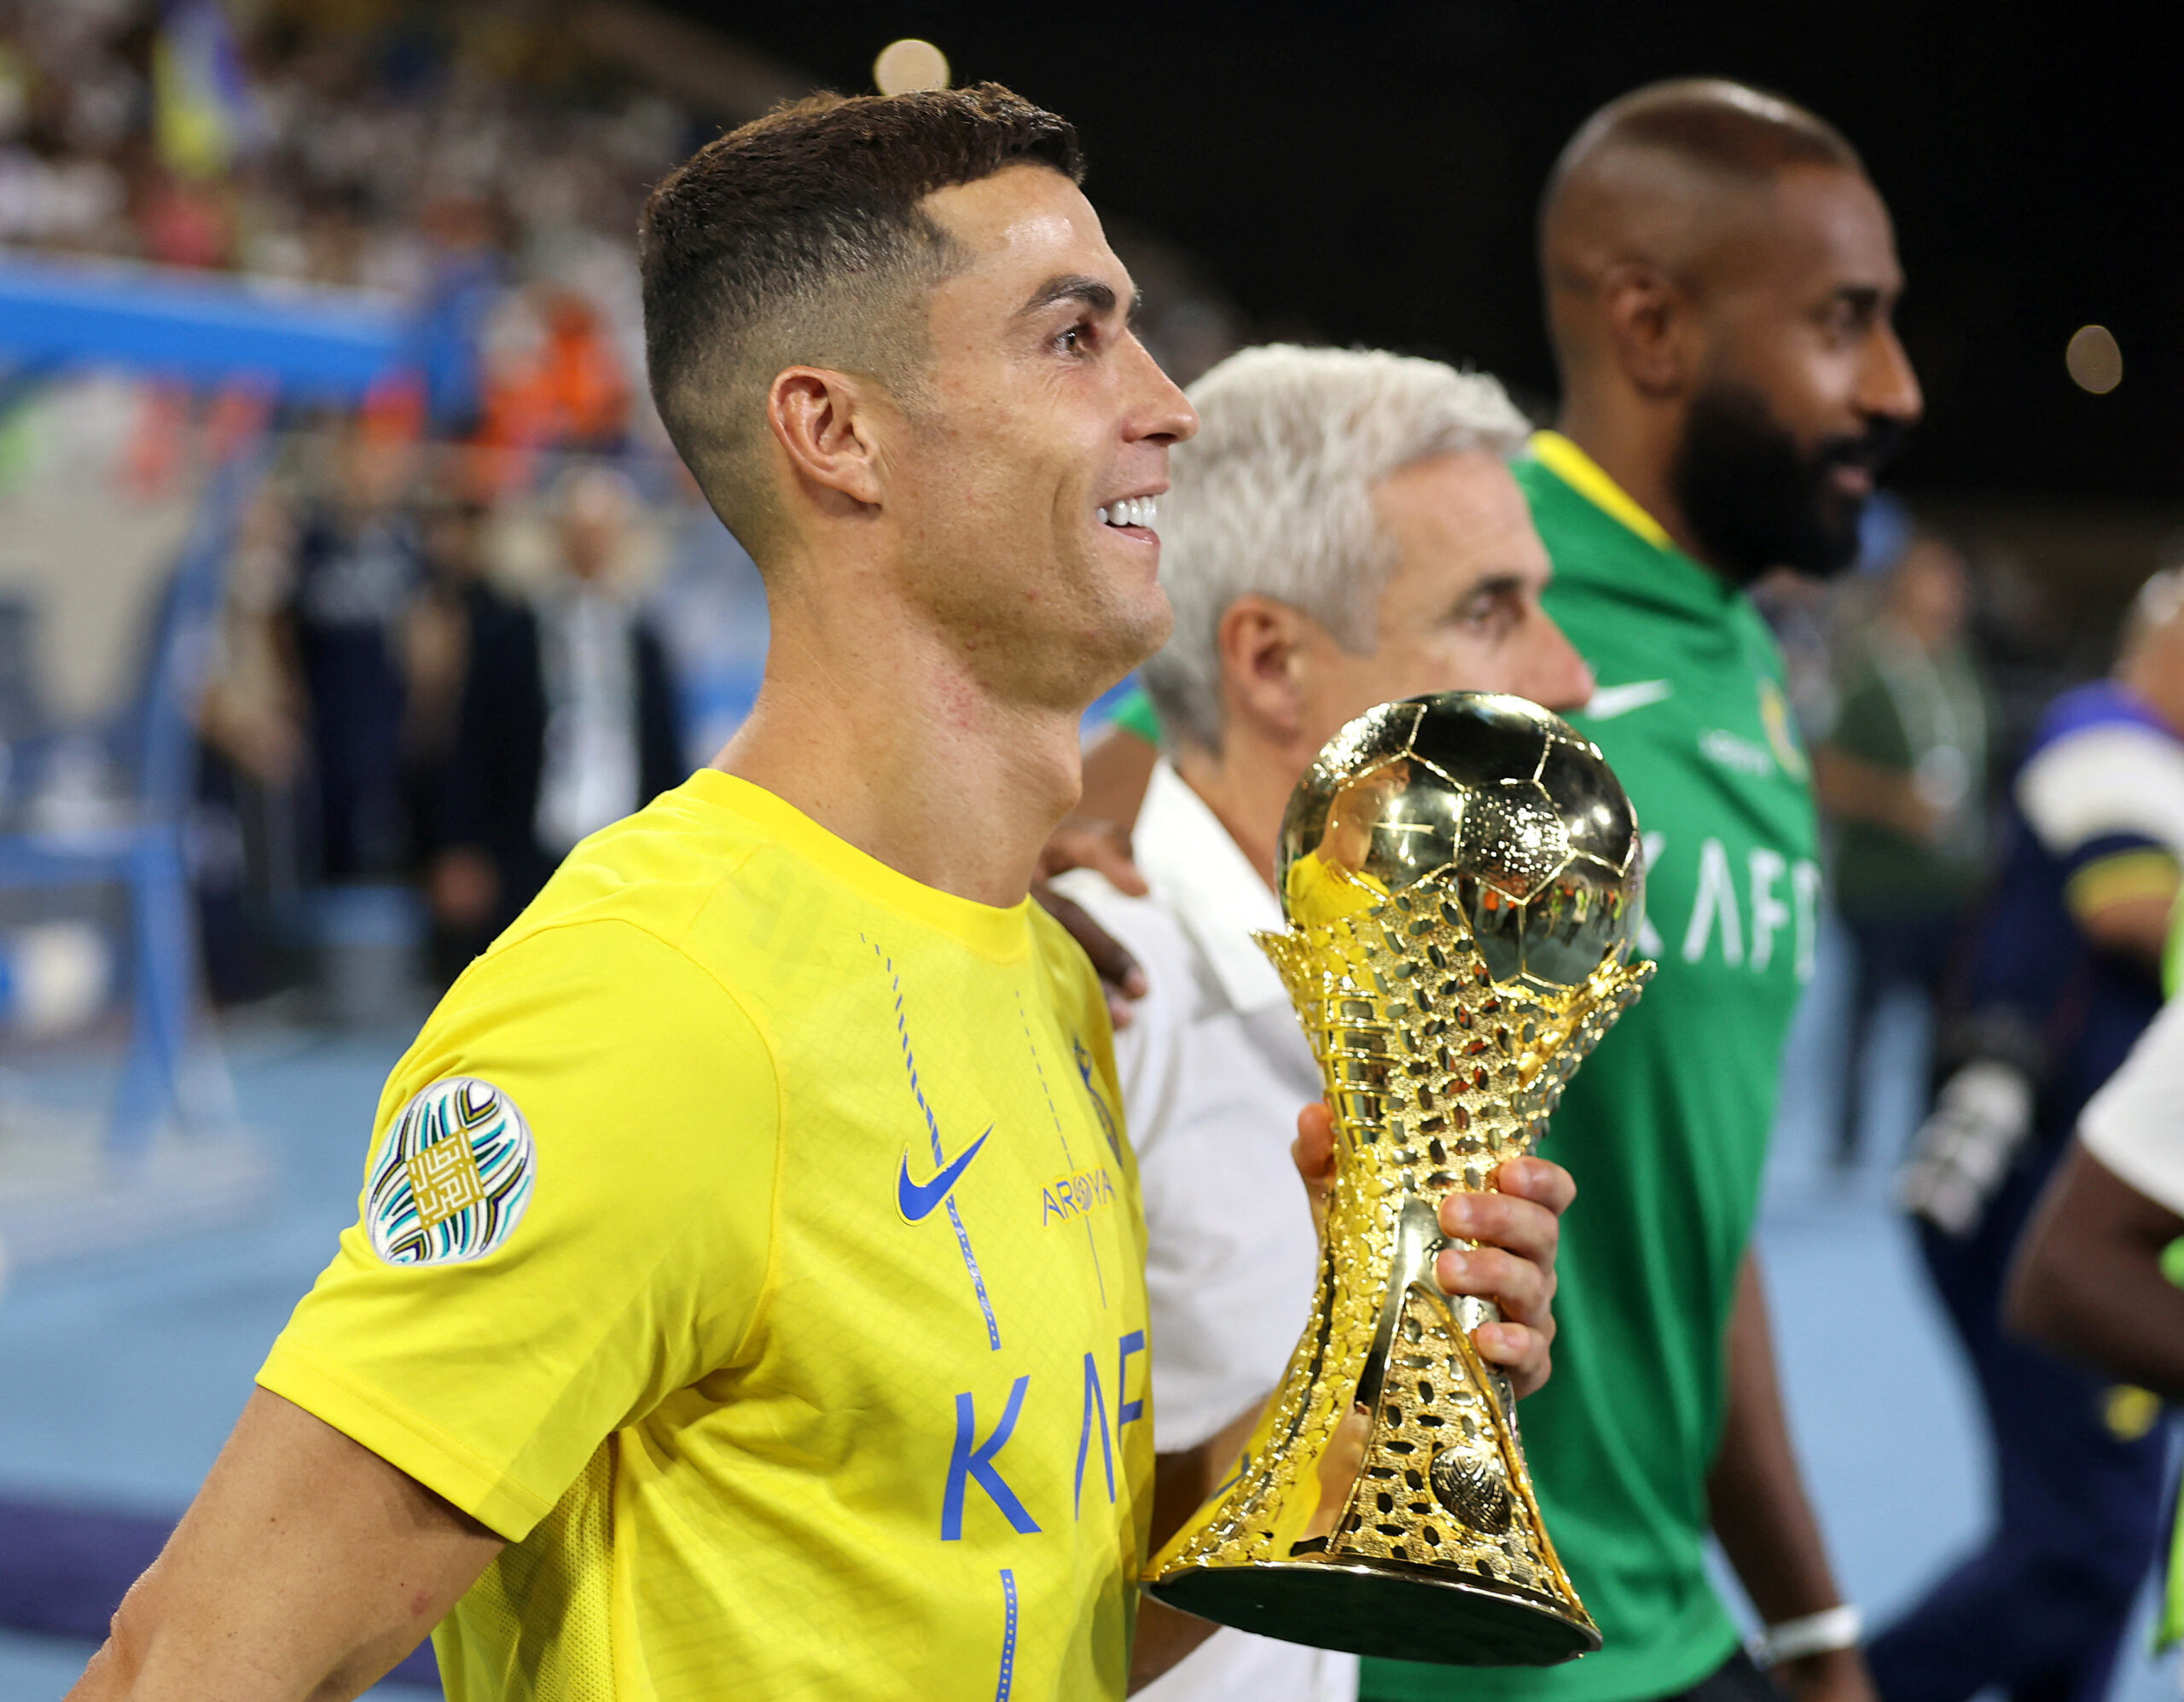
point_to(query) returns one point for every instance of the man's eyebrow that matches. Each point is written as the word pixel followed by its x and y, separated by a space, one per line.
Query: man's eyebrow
pixel 1864 299
pixel 1095 294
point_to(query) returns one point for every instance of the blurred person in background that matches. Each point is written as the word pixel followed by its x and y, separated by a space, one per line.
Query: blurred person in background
pixel 2098 1279
pixel 1902 771
pixel 2061 978
pixel 253 729
pixel 567 720
pixel 1343 529
pixel 1720 280
pixel 357 572
pixel 458 598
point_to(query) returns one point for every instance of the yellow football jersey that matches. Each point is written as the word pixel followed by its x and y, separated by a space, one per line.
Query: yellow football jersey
pixel 749 1238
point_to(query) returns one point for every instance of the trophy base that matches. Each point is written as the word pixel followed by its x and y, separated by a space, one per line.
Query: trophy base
pixel 1386 1610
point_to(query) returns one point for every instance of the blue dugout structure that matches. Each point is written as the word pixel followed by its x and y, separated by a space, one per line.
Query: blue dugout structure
pixel 199 327
pixel 204 329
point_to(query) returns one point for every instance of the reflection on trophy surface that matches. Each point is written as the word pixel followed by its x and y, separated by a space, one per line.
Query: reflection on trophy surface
pixel 1462 878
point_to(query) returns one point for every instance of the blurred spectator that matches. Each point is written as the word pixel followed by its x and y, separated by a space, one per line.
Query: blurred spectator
pixel 2097 1278
pixel 1902 772
pixel 463 283
pixel 554 380
pixel 459 598
pixel 458 595
pixel 359 572
pixel 252 726
pixel 2061 979
pixel 568 720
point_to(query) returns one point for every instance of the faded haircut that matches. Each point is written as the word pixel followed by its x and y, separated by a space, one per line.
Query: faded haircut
pixel 799 240
pixel 1273 497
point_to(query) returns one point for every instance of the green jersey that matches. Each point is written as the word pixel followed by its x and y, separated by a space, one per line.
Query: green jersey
pixel 1666 1127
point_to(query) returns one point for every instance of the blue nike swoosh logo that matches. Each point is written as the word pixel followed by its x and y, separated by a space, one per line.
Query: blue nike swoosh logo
pixel 916 1201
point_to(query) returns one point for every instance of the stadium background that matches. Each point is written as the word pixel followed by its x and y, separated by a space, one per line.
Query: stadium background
pixel 413 223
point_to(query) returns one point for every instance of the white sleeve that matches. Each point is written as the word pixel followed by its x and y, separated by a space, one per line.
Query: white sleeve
pixel 2134 1125
pixel 2117 780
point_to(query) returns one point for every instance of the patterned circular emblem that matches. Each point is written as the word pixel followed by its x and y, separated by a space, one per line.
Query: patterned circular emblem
pixel 455 1177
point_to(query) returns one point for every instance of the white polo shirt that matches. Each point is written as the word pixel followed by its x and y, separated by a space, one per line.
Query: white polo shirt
pixel 2134 1125
pixel 1214 1069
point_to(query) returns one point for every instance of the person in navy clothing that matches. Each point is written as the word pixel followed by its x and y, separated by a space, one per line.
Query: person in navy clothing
pixel 2060 976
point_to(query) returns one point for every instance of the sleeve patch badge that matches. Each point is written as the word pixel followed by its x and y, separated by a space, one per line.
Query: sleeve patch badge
pixel 454 1178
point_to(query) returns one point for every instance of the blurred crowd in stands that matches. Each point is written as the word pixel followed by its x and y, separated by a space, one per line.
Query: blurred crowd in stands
pixel 443 659
pixel 481 171
pixel 442 588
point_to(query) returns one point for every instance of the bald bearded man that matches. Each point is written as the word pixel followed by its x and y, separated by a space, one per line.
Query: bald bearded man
pixel 1720 275
pixel 1719 278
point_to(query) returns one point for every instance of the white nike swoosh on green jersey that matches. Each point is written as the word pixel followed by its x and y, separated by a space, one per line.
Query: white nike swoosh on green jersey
pixel 1610 701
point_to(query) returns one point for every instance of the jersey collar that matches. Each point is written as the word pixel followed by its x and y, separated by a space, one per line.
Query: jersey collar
pixel 1672 579
pixel 1590 480
pixel 1001 934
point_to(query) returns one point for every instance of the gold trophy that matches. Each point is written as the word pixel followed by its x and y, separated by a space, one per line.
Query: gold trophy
pixel 1462 877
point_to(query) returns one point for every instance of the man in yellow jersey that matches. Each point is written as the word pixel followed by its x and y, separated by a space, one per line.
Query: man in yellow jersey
pixel 748 1299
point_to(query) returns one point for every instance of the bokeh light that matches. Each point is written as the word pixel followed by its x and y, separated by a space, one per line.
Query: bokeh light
pixel 909 64
pixel 2094 362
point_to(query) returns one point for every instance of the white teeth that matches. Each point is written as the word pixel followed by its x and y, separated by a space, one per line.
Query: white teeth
pixel 1102 515
pixel 1134 511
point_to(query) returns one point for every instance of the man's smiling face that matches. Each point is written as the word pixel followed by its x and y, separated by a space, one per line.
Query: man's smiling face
pixel 1037 444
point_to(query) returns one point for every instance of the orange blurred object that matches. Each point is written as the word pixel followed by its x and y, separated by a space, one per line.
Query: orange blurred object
pixel 569 391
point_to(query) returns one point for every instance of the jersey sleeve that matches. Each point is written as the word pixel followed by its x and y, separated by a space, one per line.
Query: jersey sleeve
pixel 2131 1124
pixel 2106 789
pixel 566 1218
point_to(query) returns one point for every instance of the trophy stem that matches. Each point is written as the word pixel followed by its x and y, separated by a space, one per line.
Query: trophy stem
pixel 1384 1505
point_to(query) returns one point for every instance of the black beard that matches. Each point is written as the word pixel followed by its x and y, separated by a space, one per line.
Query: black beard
pixel 1755 500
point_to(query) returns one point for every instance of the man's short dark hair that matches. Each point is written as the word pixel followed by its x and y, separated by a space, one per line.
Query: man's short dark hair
pixel 799 240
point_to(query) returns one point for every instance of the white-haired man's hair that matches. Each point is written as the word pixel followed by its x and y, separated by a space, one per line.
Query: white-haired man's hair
pixel 1275 496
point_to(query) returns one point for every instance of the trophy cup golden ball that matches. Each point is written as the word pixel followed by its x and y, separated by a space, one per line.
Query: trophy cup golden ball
pixel 1462 877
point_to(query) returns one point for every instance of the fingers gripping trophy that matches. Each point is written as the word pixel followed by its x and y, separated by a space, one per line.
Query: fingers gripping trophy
pixel 1462 877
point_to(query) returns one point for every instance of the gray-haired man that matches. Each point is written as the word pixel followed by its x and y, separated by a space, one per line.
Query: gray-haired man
pixel 1343 531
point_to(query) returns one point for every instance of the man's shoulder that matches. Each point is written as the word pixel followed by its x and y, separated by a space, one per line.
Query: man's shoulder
pixel 657 870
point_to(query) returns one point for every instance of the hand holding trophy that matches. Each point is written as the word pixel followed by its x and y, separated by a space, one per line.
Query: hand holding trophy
pixel 1462 876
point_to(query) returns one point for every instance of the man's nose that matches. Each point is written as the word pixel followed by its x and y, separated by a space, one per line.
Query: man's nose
pixel 1555 677
pixel 1887 386
pixel 1164 413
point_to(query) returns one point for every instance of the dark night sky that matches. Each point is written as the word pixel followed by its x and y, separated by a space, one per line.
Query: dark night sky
pixel 1371 171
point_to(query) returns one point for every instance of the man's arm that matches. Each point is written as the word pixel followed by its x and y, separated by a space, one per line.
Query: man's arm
pixel 2129 915
pixel 1760 1513
pixel 1181 1484
pixel 2088 1282
pixel 306 1567
pixel 1852 788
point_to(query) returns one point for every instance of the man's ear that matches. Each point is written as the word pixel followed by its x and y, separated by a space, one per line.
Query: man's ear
pixel 825 423
pixel 1650 327
pixel 1261 647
